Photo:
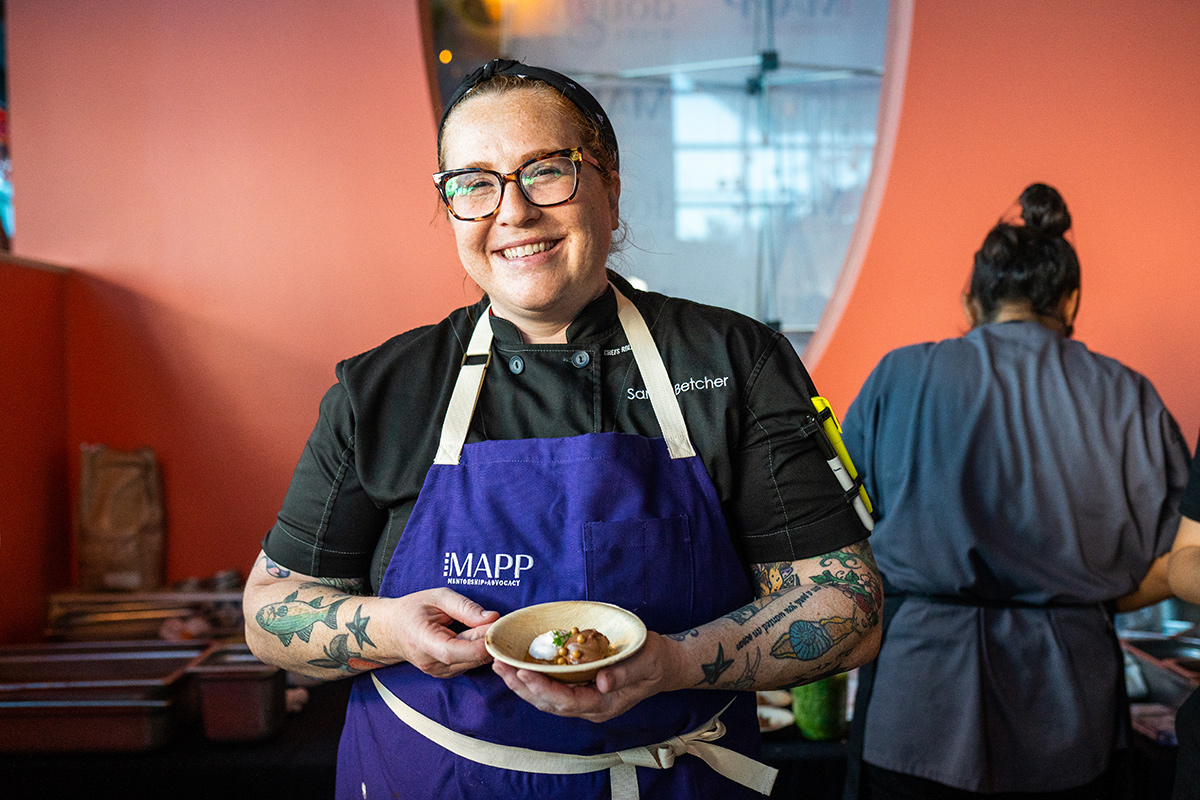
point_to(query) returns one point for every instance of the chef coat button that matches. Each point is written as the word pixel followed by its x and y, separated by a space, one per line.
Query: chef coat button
pixel 580 359
pixel 517 365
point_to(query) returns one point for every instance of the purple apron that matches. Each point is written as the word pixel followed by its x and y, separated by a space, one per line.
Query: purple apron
pixel 609 517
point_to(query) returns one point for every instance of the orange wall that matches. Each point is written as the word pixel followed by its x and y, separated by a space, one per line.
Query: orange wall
pixel 243 192
pixel 1096 97
pixel 34 529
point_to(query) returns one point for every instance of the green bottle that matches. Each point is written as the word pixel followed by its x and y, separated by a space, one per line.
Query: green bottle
pixel 820 708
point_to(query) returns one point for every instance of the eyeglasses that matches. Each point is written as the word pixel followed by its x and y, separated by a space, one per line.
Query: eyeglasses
pixel 548 180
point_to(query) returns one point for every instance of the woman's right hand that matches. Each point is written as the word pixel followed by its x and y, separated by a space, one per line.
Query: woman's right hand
pixel 420 624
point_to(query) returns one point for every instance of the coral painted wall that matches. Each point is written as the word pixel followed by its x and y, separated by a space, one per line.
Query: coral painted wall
pixel 1095 98
pixel 242 193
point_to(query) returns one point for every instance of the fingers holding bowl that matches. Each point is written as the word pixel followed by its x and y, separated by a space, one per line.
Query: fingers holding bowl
pixel 509 637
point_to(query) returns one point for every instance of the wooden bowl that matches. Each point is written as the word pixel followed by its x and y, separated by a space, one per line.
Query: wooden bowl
pixel 509 637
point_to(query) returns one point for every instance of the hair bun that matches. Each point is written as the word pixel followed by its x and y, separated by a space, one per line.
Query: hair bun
pixel 1044 210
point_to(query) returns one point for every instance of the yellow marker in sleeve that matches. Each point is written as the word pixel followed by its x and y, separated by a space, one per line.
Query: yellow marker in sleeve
pixel 839 460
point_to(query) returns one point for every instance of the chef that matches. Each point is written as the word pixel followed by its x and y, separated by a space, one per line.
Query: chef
pixel 537 446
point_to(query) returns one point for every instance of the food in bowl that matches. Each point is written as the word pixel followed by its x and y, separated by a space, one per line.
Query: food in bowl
pixel 570 647
pixel 508 638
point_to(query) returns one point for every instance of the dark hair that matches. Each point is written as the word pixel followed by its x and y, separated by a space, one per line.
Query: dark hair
pixel 591 136
pixel 1027 263
pixel 593 120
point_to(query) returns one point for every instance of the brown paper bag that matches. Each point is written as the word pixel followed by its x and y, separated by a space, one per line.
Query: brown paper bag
pixel 120 532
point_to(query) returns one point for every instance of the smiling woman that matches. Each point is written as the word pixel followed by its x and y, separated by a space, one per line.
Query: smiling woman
pixel 545 445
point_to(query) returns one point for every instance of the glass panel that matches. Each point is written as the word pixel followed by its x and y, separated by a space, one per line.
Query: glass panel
pixel 746 129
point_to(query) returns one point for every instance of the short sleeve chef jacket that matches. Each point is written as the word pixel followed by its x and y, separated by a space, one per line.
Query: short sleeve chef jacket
pixel 743 391
pixel 1009 466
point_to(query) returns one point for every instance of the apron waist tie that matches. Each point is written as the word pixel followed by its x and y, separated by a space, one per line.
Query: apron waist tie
pixel 622 764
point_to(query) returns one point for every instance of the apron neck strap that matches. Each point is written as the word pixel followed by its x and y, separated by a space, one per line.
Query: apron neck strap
pixel 466 391
pixel 645 353
pixel 654 373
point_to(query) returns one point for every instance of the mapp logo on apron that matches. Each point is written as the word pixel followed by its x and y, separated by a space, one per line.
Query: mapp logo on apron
pixel 475 569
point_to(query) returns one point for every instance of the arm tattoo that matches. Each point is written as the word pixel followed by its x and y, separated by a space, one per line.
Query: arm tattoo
pixel 807 641
pixel 746 679
pixel 339 656
pixel 292 617
pixel 856 578
pixel 742 615
pixel 774 576
pixel 770 579
pixel 274 570
pixel 714 670
pixel 358 627
pixel 850 571
pixel 679 637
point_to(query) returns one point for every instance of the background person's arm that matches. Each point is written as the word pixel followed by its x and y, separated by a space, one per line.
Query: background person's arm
pixel 1183 572
pixel 1175 574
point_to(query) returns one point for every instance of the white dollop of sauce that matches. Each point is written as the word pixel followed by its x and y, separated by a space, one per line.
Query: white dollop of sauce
pixel 543 647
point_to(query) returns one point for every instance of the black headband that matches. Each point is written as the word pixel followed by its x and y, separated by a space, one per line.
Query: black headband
pixel 579 96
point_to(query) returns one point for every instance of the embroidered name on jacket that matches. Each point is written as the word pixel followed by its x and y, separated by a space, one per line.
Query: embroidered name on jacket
pixel 690 385
pixel 478 569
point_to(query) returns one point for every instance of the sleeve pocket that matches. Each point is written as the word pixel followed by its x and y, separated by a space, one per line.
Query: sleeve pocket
pixel 645 566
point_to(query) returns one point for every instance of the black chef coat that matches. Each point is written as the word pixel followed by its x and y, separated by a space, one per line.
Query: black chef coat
pixel 743 391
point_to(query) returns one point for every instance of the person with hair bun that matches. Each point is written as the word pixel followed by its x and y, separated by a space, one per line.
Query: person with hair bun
pixel 1028 271
pixel 1024 484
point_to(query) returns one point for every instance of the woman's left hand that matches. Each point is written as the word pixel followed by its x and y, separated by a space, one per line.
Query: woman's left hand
pixel 616 689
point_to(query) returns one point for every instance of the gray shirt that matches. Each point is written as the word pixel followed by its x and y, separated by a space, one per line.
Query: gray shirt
pixel 1021 481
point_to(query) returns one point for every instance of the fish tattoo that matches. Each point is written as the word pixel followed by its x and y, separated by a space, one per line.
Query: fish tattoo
pixel 293 617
